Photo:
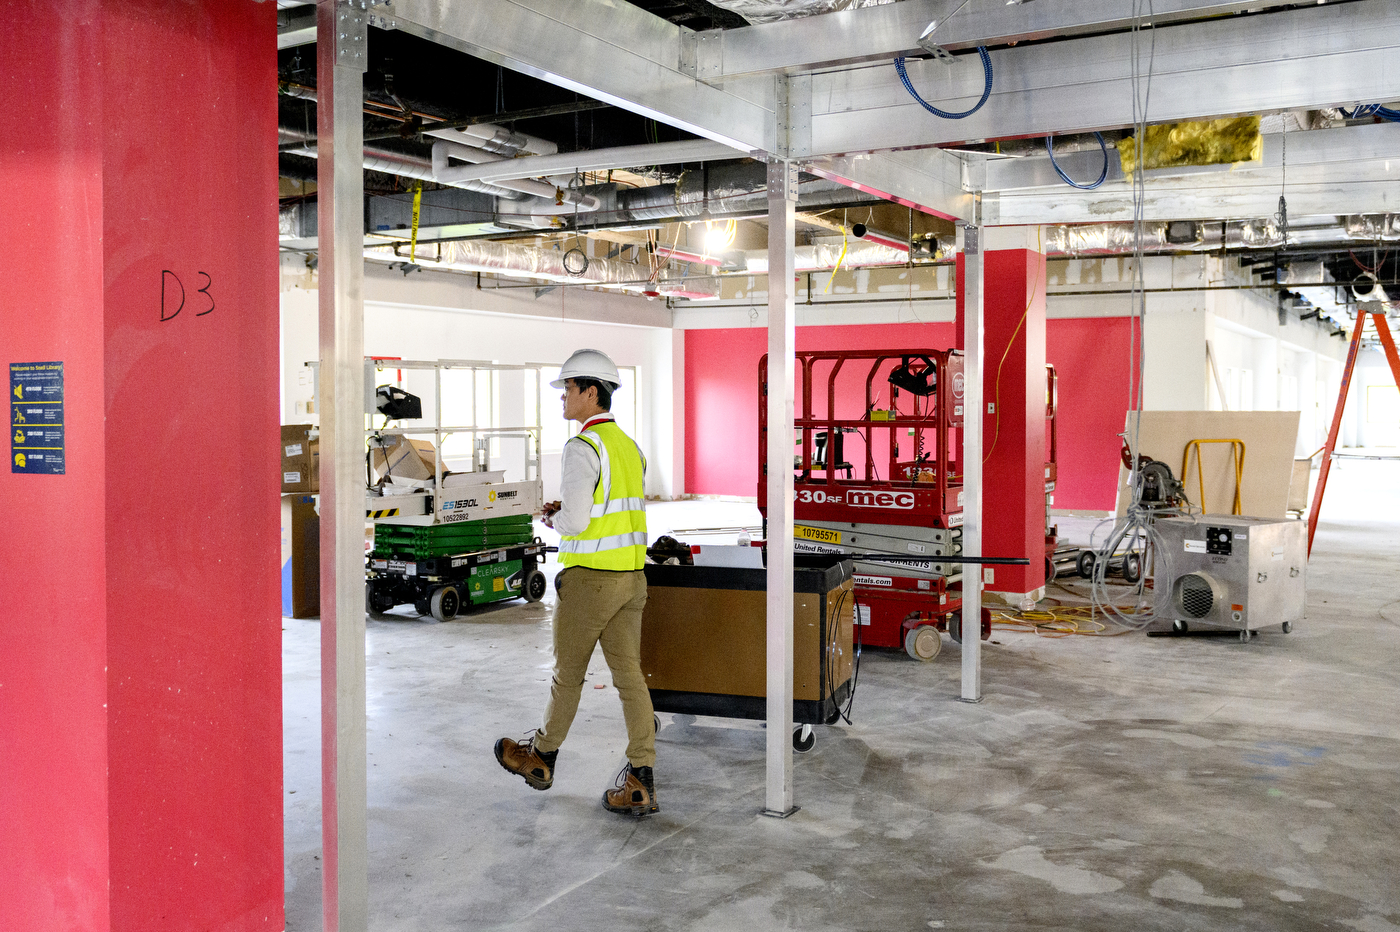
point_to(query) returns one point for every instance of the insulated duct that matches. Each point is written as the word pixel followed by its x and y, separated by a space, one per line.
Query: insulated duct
pixel 822 256
pixel 1104 239
pixel 725 190
pixel 1372 227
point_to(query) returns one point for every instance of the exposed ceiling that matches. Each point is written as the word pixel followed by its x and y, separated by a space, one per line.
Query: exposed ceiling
pixel 1331 164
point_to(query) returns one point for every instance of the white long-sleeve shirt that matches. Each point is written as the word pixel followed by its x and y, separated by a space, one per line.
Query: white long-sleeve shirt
pixel 579 469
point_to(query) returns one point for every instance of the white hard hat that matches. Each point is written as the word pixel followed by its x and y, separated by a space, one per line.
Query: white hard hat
pixel 588 364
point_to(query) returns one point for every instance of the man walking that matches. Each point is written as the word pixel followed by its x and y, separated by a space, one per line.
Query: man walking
pixel 602 589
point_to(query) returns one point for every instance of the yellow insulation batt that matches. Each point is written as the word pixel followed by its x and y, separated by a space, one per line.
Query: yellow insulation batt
pixel 1208 142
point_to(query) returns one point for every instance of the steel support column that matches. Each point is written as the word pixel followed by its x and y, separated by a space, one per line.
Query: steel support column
pixel 342 35
pixel 782 210
pixel 970 247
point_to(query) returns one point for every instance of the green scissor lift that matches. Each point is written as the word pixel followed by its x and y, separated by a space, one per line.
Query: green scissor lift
pixel 441 567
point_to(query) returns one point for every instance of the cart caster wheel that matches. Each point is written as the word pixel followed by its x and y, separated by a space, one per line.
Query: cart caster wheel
pixel 377 603
pixel 1132 567
pixel 923 643
pixel 1244 636
pixel 1287 627
pixel 655 722
pixel 803 739
pixel 1179 626
pixel 1084 564
pixel 444 603
pixel 534 587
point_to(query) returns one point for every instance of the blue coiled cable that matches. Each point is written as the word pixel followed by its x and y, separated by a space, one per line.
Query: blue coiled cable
pixel 1103 147
pixel 1365 110
pixel 986 91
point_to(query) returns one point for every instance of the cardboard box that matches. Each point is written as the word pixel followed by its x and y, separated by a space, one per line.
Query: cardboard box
pixel 301 459
pixel 403 458
pixel 301 557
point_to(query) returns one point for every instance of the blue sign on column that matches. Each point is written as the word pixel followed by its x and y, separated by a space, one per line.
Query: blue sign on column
pixel 36 417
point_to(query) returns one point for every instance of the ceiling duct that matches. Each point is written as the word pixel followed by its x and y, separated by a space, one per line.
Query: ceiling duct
pixel 726 189
pixel 539 166
pixel 544 265
pixel 772 11
pixel 389 162
pixel 496 140
pixel 824 256
pixel 1373 227
pixel 1106 239
pixel 445 173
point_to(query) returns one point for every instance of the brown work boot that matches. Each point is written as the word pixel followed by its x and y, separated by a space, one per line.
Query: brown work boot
pixel 634 792
pixel 537 767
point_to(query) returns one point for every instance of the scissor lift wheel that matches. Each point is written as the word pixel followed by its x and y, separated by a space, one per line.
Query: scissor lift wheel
pixel 444 602
pixel 923 643
pixel 534 586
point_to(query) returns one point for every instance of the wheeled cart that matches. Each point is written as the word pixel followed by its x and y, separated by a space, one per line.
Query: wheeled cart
pixel 443 585
pixel 704 641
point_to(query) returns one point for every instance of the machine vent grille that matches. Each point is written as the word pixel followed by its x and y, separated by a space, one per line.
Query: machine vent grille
pixel 1197 599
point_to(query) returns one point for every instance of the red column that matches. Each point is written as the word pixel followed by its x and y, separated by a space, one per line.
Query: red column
pixel 1014 441
pixel 140 673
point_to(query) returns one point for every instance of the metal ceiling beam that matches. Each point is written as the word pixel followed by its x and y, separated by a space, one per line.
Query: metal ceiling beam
pixel 929 180
pixel 1310 57
pixel 1359 188
pixel 1337 146
pixel 889 30
pixel 614 52
pixel 591 160
pixel 294 29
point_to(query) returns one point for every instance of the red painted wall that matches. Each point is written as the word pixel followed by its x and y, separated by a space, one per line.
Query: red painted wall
pixel 721 402
pixel 142 768
pixel 721 393
pixel 53 721
pixel 1090 355
pixel 192 498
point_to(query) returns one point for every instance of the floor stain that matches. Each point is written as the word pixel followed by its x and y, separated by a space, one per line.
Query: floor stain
pixel 1177 886
pixel 1030 860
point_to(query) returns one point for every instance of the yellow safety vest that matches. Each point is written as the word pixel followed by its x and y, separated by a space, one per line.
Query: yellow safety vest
pixel 616 536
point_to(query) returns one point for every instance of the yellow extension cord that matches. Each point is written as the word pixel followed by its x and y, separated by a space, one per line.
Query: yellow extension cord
pixel 1061 621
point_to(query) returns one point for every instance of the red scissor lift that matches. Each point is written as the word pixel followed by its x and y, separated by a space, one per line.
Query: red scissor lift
pixel 900 412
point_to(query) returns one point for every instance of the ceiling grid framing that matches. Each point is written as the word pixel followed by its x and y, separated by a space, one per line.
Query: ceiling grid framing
pixel 613 52
pixel 1321 56
pixel 876 33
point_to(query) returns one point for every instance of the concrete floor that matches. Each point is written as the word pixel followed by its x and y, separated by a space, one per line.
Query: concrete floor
pixel 1125 783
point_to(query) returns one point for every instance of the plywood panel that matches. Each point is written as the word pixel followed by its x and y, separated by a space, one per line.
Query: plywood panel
pixel 1269 438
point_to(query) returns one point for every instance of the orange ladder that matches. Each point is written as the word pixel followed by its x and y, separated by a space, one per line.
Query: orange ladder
pixel 1388 342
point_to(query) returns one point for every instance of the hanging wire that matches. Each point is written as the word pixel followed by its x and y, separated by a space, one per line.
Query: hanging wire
pixel 1281 218
pixel 986 90
pixel 1103 147
pixel 1135 527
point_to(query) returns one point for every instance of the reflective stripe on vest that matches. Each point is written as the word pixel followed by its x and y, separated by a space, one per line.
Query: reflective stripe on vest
pixel 616 536
pixel 579 545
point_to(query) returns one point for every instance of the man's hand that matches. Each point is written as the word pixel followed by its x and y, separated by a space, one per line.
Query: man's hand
pixel 548 512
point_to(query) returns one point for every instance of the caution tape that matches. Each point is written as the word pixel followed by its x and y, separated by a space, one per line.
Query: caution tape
pixel 382 513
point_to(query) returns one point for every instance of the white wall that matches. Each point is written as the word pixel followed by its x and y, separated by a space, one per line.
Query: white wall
pixel 432 316
pixel 1369 410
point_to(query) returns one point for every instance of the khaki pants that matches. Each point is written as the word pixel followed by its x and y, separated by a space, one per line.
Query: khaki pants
pixel 600 607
